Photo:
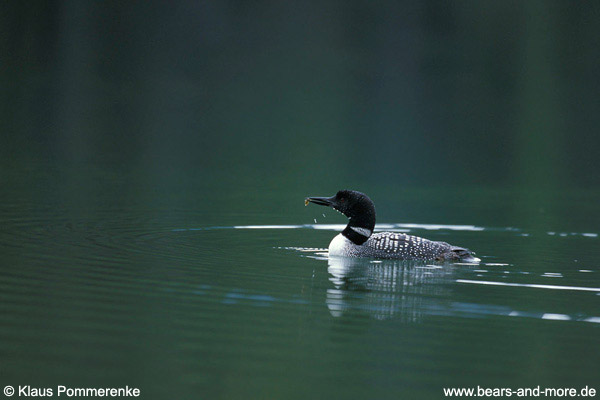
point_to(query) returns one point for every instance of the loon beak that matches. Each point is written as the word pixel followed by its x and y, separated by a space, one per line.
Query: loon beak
pixel 322 201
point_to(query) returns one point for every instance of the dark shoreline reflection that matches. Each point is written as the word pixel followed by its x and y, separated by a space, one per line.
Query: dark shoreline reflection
pixel 386 288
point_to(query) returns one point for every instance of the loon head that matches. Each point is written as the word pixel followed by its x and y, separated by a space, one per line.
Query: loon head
pixel 357 206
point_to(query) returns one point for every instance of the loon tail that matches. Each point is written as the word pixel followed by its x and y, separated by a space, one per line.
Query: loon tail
pixel 459 254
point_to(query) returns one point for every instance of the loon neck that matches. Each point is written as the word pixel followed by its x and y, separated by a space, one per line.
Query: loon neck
pixel 358 233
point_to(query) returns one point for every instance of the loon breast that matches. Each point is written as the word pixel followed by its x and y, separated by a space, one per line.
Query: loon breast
pixel 340 246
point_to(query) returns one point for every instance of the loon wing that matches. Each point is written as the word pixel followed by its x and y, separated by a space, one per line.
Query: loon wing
pixel 407 246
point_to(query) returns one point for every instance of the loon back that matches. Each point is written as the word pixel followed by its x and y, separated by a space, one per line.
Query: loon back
pixel 399 245
pixel 358 239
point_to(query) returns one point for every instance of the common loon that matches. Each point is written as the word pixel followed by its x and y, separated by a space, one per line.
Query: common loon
pixel 358 239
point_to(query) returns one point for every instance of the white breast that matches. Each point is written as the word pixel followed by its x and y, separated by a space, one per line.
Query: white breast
pixel 340 246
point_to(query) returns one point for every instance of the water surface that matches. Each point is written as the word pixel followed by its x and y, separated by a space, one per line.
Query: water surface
pixel 100 286
pixel 154 159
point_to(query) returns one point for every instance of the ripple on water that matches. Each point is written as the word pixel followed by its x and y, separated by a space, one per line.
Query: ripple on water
pixel 413 291
pixel 392 289
pixel 402 227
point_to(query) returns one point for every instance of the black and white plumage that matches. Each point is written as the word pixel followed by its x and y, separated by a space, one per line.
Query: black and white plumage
pixel 358 239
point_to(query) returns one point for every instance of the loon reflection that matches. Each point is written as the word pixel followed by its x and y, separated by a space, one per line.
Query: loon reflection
pixel 385 288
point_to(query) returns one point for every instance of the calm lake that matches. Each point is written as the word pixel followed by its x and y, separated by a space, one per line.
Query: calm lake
pixel 155 157
pixel 221 292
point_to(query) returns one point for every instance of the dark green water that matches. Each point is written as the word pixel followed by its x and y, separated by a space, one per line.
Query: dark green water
pixel 102 287
pixel 154 159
